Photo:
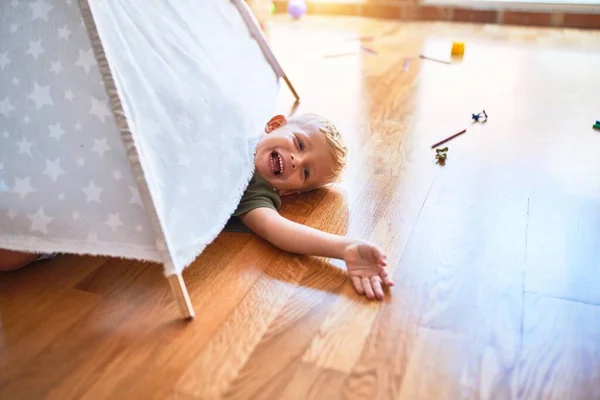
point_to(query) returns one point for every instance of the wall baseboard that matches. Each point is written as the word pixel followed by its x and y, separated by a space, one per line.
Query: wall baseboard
pixel 450 10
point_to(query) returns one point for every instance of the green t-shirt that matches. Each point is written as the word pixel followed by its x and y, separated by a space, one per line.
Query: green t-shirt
pixel 258 194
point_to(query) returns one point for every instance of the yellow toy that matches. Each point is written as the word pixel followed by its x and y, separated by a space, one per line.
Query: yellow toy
pixel 458 48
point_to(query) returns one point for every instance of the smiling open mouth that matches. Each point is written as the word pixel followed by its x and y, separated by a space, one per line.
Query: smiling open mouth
pixel 276 163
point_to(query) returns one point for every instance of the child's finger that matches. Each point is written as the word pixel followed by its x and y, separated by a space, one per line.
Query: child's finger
pixel 376 283
pixel 386 277
pixel 358 285
pixel 366 282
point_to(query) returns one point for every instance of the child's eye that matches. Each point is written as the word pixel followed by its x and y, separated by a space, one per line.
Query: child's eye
pixel 306 173
pixel 300 143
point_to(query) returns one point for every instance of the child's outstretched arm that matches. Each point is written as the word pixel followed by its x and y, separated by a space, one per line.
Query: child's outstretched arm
pixel 366 264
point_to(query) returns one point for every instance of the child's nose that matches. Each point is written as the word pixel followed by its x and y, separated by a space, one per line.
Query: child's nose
pixel 296 161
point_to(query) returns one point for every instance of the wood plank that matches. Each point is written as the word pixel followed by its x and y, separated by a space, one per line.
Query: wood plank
pixel 562 257
pixel 316 383
pixel 560 357
pixel 347 327
pixel 37 304
pixel 382 363
pixel 149 335
pixel 158 348
pixel 208 376
pixel 45 278
pixel 72 361
pixel 565 194
pixel 175 395
pixel 474 225
pixel 38 327
pixel 276 359
pixel 126 280
pixel 140 282
pixel 141 339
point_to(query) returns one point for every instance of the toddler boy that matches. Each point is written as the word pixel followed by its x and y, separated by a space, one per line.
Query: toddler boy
pixel 296 156
pixel 292 157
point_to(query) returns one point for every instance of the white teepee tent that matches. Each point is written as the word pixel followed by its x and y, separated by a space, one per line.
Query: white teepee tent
pixel 128 127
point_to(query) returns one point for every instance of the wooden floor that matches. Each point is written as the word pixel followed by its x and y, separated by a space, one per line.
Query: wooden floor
pixel 495 255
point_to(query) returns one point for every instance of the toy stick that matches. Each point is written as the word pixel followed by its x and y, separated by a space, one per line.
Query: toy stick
pixel 448 138
pixel 435 59
pixel 340 55
pixel 368 50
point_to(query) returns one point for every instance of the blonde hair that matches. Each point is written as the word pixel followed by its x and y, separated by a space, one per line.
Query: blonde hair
pixel 337 149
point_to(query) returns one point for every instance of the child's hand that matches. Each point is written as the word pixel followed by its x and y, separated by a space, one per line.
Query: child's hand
pixel 367 267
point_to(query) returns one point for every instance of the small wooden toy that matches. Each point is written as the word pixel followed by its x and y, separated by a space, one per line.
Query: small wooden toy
pixel 441 155
pixel 476 117
pixel 448 138
pixel 458 49
pixel 351 53
pixel 423 56
pixel 368 50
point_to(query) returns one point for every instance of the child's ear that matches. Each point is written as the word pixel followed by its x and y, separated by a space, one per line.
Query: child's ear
pixel 276 122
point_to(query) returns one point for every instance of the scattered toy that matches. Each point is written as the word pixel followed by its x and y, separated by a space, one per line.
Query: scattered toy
pixel 448 138
pixel 296 8
pixel 366 49
pixel 435 59
pixel 351 53
pixel 597 125
pixel 441 155
pixel 458 49
pixel 476 117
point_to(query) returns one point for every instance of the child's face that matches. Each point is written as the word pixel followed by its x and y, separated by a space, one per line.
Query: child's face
pixel 293 159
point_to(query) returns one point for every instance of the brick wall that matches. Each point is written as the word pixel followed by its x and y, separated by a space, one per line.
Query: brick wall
pixel 412 10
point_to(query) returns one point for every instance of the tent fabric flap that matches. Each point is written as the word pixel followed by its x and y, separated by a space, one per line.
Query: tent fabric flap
pixel 139 146
pixel 196 91
pixel 65 182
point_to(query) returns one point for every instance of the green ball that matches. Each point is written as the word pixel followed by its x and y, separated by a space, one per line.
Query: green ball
pixel 272 8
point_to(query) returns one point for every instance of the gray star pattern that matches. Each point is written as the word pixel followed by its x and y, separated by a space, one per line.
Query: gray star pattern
pixel 49 89
pixel 196 108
